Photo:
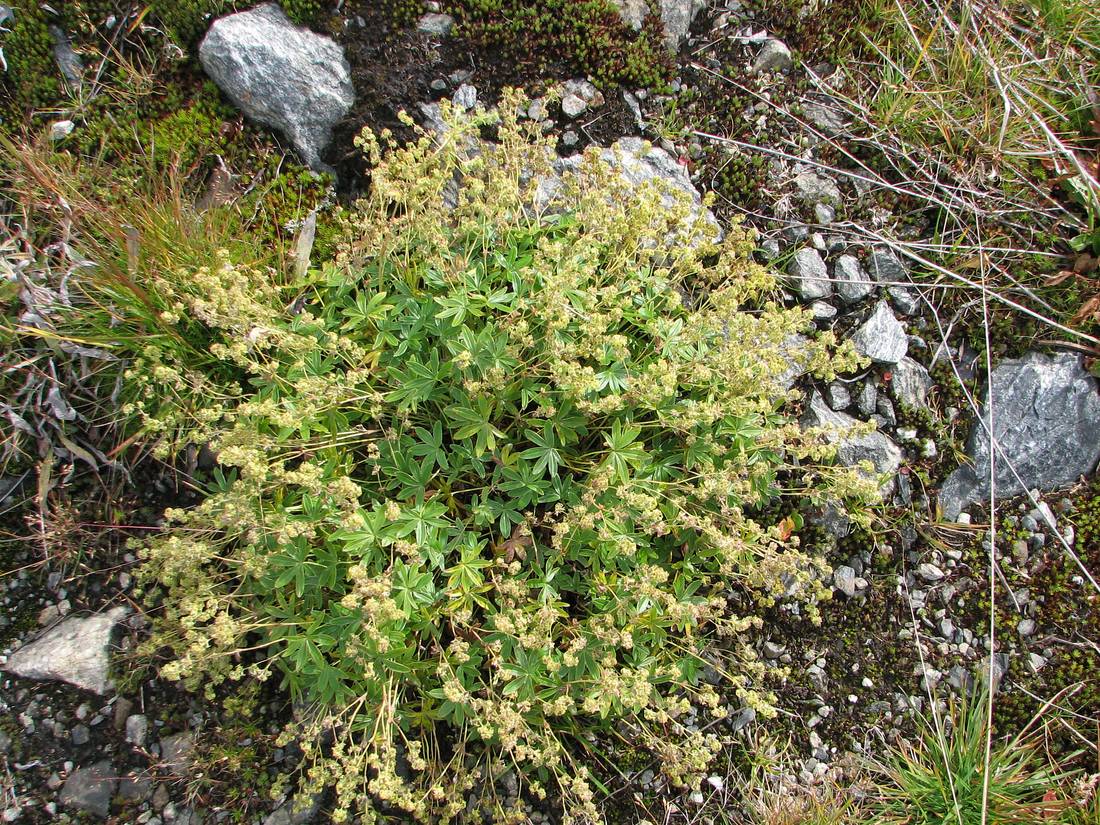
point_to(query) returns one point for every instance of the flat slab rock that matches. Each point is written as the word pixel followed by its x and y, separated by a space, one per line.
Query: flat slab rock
pixel 638 162
pixel 1046 421
pixel 76 651
pixel 676 17
pixel 90 789
pixel 881 337
pixel 885 456
pixel 280 75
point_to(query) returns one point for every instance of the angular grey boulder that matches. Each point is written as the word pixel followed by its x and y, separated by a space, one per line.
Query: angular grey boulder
pixel 280 75
pixel 676 17
pixel 774 56
pixel 1046 420
pixel 826 114
pixel 911 383
pixel 885 456
pixel 852 283
pixel 90 789
pixel 295 812
pixel 810 275
pixel 813 188
pixel 438 25
pixel 886 266
pixel 638 163
pixel 76 651
pixel 882 337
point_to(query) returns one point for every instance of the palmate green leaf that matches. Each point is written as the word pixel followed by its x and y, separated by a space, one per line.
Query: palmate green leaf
pixel 431 446
pixel 413 587
pixel 457 306
pixel 488 510
pixel 524 487
pixel 475 422
pixel 570 425
pixel 367 310
pixel 466 573
pixel 545 452
pixel 623 451
pixel 366 543
pixel 487 349
pixel 293 564
pixel 332 685
pixel 413 476
pixel 615 378
pixel 416 382
pixel 422 520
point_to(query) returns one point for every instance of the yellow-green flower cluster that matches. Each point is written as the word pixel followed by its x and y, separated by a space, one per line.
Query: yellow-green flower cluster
pixel 485 480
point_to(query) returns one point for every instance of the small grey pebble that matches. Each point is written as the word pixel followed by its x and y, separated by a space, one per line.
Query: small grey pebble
pixel 837 395
pixel 823 311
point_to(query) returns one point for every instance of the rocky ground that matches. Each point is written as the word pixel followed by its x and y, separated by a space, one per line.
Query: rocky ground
pixel 87 734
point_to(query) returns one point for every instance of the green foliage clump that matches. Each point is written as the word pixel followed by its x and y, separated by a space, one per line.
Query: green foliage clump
pixel 483 478
pixel 588 35
pixel 943 775
pixel 31 79
pixel 401 12
pixel 742 179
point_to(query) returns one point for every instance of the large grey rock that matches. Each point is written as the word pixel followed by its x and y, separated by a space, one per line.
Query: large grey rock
pixel 676 17
pixel 295 812
pixel 1046 420
pixel 465 97
pixel 176 751
pixel 437 25
pixel 633 12
pixel 852 284
pixel 577 96
pixel 904 300
pixel 796 352
pixel 910 382
pixel 137 729
pixel 885 456
pixel 887 267
pixel 638 163
pixel 572 106
pixel 280 75
pixel 813 188
pixel 90 789
pixel 838 396
pixel 847 582
pixel 809 274
pixel 76 651
pixel 881 337
pixel 68 61
pixel 774 56
pixel 826 115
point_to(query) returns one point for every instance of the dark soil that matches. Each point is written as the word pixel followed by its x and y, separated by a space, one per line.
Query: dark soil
pixel 393 67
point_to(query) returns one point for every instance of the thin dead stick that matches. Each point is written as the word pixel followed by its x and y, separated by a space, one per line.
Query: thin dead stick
pixel 993 568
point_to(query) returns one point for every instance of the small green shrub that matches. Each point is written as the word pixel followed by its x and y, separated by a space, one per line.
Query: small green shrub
pixel 483 477
pixel 31 78
pixel 940 776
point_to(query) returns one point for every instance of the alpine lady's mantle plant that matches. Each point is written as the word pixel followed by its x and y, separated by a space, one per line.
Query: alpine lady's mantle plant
pixel 484 477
